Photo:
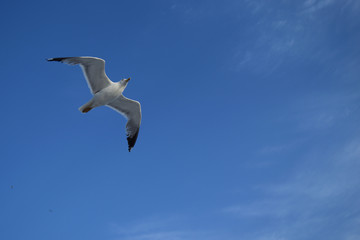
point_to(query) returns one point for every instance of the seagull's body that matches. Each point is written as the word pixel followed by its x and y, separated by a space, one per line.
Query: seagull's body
pixel 103 97
pixel 107 93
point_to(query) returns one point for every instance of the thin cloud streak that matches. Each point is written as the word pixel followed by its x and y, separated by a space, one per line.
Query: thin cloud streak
pixel 318 196
pixel 315 5
pixel 323 111
pixel 160 229
pixel 285 35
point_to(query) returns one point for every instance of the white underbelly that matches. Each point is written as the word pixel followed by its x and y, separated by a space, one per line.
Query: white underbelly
pixel 107 95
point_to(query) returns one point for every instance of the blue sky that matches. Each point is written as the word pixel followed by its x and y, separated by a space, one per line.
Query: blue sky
pixel 250 126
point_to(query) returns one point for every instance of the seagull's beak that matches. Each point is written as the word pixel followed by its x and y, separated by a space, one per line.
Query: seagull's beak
pixel 127 80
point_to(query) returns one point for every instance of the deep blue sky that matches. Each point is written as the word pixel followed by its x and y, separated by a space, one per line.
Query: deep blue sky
pixel 250 128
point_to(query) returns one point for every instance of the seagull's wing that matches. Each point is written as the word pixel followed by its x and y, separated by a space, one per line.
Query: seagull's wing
pixel 132 111
pixel 93 68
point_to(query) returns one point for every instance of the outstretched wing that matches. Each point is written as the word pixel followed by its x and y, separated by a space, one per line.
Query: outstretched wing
pixel 93 68
pixel 132 111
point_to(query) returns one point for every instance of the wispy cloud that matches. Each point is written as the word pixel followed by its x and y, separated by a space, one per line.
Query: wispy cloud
pixel 255 6
pixel 354 5
pixel 319 200
pixel 322 111
pixel 278 35
pixel 159 229
pixel 315 5
pixel 167 235
pixel 279 148
pixel 146 229
pixel 271 149
pixel 290 32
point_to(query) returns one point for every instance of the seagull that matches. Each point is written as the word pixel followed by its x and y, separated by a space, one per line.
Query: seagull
pixel 108 93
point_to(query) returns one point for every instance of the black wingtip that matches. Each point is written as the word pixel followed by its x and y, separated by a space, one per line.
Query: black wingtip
pixel 55 59
pixel 132 140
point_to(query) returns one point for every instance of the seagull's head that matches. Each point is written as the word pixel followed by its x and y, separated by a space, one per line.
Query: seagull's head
pixel 124 82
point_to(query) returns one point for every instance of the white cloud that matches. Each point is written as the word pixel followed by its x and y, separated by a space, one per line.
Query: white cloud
pixel 286 33
pixel 255 6
pixel 315 5
pixel 147 231
pixel 312 6
pixel 278 36
pixel 157 236
pixel 322 111
pixel 159 229
pixel 309 3
pixel 279 24
pixel 273 149
pixel 264 208
pixel 322 193
pixel 353 5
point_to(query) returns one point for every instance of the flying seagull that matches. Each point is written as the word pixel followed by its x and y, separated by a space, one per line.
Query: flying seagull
pixel 107 93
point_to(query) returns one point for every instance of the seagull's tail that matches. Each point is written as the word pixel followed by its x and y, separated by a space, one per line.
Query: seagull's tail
pixel 86 107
